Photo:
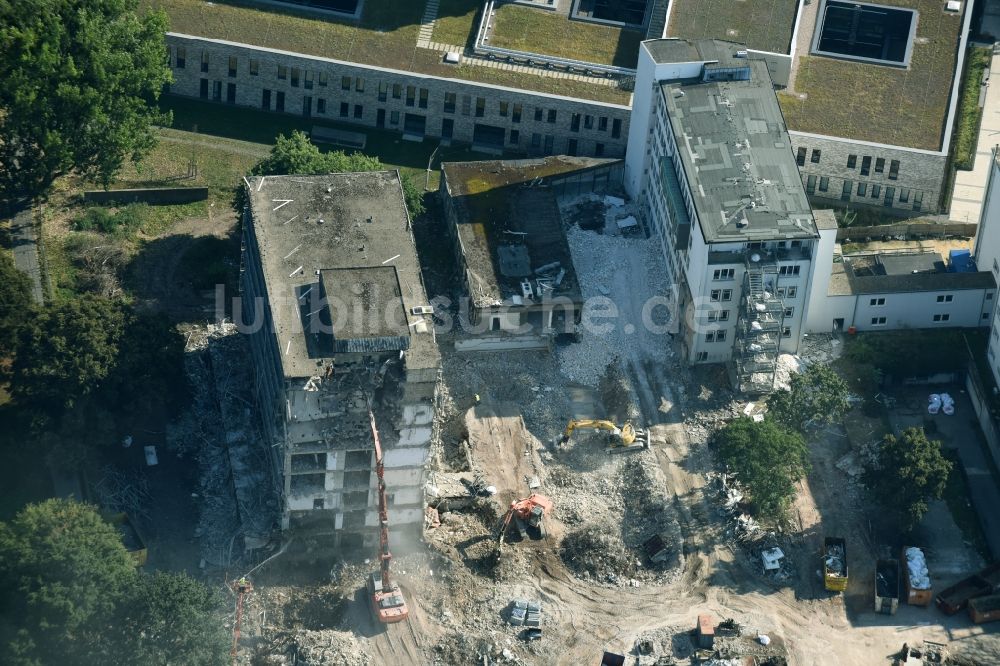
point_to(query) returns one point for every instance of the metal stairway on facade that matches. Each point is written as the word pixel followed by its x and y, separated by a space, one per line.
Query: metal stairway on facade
pixel 759 329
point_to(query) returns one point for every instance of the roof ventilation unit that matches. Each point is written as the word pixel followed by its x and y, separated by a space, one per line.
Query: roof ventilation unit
pixel 953 6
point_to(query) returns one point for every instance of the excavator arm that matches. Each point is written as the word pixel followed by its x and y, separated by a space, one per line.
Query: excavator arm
pixel 588 423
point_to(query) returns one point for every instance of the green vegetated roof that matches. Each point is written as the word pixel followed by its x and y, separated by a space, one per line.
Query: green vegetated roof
pixel 386 36
pixel 764 25
pixel 552 33
pixel 878 103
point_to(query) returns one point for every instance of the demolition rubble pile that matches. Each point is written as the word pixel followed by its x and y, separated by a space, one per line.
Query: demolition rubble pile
pixel 602 262
pixel 599 553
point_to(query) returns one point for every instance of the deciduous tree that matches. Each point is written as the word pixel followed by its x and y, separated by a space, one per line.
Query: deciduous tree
pixel 768 458
pixel 906 474
pixel 817 396
pixel 80 83
pixel 15 302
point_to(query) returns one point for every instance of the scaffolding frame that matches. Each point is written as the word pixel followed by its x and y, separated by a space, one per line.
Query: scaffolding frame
pixel 760 325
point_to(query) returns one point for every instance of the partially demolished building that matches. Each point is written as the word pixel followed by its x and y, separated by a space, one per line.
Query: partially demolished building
pixel 334 302
pixel 511 247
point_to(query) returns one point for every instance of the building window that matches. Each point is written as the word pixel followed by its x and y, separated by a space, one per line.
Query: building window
pixel 536 140
pixel 876 191
pixel 710 336
pixel 307 80
pixel 815 156
pixel 720 336
pixel 204 61
pixel 449 102
pixel 358 110
pixel 890 194
pixel 254 67
pixel 866 165
pixel 824 183
pixel 345 109
pixel 181 57
pixel 875 302
pixel 599 150
pixel 845 192
pixel 345 83
pixel 383 91
pixel 279 102
pixel 322 79
pixel 480 107
pixel 424 93
pixel 588 122
pixel 721 295
pixel 539 112
pixel 800 157
pixel 723 315
pixel 504 108
pixel 810 184
pixel 359 84
pixel 282 72
pixel 878 321
pixel 942 317
pixel 702 356
pixel 321 106
pixel 515 137
pixel 894 170
pixel 515 117
pixel 394 117
pixel 918 199
pixel 904 194
pixel 862 189
pixel 549 141
pixel 217 91
pixel 574 123
pixel 571 147
pixel 232 65
pixel 466 105
pixel 989 295
pixel 792 292
pixel 723 273
pixel 411 95
pixel 551 118
pixel 786 332
pixel 789 312
pixel 852 161
pixel 397 91
pixel 880 165
pixel 789 270
pixel 945 298
pixel 602 124
pixel 616 128
pixel 295 77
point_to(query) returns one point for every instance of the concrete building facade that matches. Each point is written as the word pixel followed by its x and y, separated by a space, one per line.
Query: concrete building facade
pixel 333 301
pixel 490 118
pixel 710 162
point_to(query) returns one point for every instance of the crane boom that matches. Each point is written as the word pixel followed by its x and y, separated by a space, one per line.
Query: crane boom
pixel 383 512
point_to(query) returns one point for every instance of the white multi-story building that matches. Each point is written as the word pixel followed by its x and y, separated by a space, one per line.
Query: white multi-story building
pixel 710 161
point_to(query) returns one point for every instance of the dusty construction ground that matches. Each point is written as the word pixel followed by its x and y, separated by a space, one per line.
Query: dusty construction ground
pixel 458 585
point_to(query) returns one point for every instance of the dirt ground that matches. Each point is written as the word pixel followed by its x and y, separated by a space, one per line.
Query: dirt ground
pixel 460 583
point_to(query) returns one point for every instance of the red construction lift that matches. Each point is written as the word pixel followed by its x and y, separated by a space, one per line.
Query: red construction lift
pixel 387 601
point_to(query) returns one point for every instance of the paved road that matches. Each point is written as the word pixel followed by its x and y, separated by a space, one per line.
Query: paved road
pixel 25 248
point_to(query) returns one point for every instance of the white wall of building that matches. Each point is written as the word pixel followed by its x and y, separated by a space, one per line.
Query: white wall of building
pixel 820 307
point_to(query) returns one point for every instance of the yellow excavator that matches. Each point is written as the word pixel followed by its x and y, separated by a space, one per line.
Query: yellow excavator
pixel 624 438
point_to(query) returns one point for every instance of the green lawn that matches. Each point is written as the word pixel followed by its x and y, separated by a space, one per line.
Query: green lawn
pixel 765 25
pixel 540 31
pixel 456 21
pixel 969 111
pixel 261 128
pixel 867 102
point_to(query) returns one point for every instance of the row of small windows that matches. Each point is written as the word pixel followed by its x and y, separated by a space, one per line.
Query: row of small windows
pixel 889 195
pixel 852 162
pixel 938 319
pixel 941 298
pixel 414 96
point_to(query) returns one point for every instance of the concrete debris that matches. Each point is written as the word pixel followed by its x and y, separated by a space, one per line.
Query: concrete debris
pixel 328 648
pixel 594 552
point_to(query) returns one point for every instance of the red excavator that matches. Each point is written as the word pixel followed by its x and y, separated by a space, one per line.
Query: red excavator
pixel 527 513
pixel 387 601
